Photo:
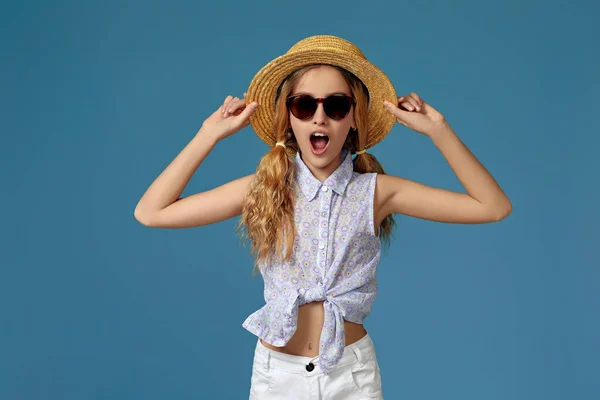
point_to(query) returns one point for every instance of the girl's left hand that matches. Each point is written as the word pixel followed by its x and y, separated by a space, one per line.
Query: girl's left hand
pixel 414 113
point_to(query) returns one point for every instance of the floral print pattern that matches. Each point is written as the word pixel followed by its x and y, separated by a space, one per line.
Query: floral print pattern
pixel 334 260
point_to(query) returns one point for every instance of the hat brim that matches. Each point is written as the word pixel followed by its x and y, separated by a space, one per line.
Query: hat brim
pixel 263 89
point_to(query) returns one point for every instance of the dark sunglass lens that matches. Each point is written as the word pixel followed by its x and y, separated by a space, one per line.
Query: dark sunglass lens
pixel 303 107
pixel 337 107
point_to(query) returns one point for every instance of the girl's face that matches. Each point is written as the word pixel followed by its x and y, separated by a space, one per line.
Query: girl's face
pixel 322 153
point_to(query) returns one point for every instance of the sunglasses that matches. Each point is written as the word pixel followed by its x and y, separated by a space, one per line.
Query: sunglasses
pixel 304 106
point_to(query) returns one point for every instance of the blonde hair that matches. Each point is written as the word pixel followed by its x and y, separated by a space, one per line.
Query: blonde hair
pixel 268 209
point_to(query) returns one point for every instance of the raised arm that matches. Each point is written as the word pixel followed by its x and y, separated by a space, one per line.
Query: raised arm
pixel 484 201
pixel 161 206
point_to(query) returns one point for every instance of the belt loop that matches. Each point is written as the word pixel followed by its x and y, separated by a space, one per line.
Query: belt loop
pixel 358 353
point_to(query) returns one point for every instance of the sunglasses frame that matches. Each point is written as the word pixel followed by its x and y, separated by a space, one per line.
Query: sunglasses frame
pixel 318 100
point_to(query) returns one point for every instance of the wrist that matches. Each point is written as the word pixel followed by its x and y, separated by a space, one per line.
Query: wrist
pixel 441 130
pixel 209 135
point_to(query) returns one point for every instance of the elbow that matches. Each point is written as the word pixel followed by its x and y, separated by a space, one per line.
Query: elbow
pixel 142 217
pixel 503 211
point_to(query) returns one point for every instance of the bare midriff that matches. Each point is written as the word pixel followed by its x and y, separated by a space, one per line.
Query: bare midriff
pixel 305 341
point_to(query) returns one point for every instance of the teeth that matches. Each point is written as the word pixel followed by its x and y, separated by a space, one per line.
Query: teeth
pixel 319 134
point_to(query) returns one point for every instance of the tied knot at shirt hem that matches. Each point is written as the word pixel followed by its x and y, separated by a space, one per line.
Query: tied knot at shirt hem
pixel 276 322
pixel 315 293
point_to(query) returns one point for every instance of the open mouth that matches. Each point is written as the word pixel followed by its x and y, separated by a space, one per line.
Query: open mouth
pixel 319 142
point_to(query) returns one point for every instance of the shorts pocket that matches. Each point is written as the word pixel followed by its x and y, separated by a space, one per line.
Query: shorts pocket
pixel 261 380
pixel 366 378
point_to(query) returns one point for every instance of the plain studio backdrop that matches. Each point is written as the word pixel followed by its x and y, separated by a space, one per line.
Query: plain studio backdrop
pixel 98 97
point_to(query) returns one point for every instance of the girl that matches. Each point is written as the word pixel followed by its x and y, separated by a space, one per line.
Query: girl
pixel 315 216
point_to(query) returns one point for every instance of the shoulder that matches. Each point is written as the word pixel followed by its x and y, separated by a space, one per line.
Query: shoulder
pixel 363 178
pixel 388 184
pixel 385 188
pixel 362 183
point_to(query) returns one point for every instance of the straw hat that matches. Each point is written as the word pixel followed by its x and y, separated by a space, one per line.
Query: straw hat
pixel 321 49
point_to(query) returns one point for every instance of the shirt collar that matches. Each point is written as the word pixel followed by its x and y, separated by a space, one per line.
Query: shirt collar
pixel 337 181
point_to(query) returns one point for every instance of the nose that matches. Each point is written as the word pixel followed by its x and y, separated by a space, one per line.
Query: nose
pixel 320 117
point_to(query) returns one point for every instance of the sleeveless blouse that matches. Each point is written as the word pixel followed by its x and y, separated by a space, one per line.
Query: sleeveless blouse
pixel 334 260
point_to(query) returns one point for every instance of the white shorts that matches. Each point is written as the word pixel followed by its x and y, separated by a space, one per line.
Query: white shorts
pixel 277 375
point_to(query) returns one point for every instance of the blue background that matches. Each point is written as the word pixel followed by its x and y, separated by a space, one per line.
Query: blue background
pixel 99 96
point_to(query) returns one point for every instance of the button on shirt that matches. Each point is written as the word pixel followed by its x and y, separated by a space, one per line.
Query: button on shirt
pixel 334 260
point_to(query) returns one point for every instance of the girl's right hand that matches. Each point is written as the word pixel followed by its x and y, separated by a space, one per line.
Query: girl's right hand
pixel 231 117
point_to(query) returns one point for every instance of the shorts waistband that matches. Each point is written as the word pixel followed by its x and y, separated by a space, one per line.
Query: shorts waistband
pixel 361 350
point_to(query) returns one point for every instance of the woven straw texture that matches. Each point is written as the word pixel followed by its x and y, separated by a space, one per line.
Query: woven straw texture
pixel 321 49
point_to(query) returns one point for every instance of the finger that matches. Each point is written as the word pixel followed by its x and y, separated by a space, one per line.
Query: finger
pixel 397 112
pixel 406 105
pixel 414 103
pixel 402 102
pixel 416 97
pixel 248 110
pixel 227 100
pixel 235 105
pixel 409 104
pixel 230 106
